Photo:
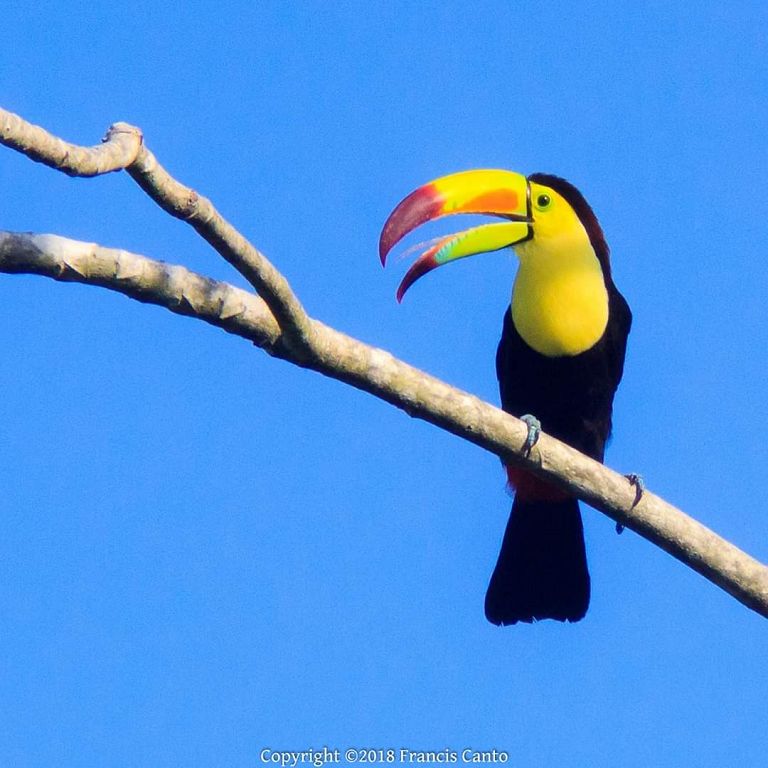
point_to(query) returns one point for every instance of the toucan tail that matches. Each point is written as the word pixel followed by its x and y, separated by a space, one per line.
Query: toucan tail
pixel 542 568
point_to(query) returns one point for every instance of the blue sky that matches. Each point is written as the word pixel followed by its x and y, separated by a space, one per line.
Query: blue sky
pixel 207 552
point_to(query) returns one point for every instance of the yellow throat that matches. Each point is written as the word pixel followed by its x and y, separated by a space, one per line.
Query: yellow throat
pixel 559 299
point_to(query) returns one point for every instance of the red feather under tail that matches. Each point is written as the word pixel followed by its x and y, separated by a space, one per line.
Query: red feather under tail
pixel 528 487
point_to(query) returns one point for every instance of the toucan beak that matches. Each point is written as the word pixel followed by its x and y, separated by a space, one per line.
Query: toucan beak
pixel 496 193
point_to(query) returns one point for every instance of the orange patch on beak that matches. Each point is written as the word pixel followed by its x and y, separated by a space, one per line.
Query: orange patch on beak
pixel 493 201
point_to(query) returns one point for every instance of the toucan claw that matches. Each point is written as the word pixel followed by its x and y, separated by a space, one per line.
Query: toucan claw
pixel 534 430
pixel 639 485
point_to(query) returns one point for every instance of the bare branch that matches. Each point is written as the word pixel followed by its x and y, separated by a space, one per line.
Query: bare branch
pixel 123 148
pixel 153 282
pixel 379 373
pixel 186 204
pixel 117 151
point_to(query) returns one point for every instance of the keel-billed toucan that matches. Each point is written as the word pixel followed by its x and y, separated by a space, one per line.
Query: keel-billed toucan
pixel 560 359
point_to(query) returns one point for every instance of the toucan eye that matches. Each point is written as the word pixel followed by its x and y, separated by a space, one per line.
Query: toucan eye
pixel 543 201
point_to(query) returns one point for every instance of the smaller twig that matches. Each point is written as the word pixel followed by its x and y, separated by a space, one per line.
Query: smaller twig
pixel 123 148
pixel 186 204
pixel 118 150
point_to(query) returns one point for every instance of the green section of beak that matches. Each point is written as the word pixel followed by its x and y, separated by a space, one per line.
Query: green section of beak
pixel 483 239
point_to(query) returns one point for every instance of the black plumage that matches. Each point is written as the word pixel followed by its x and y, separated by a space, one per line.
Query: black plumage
pixel 542 569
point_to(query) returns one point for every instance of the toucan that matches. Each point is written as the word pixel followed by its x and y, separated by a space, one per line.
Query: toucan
pixel 559 361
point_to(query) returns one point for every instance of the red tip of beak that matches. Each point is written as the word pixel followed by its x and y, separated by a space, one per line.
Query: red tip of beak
pixel 425 263
pixel 420 206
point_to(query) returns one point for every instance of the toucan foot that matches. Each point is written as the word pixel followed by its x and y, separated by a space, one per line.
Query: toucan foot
pixel 534 430
pixel 639 484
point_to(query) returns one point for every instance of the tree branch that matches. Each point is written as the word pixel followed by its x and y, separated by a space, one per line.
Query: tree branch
pixel 123 148
pixel 420 395
pixel 186 204
pixel 153 282
pixel 118 149
pixel 278 324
